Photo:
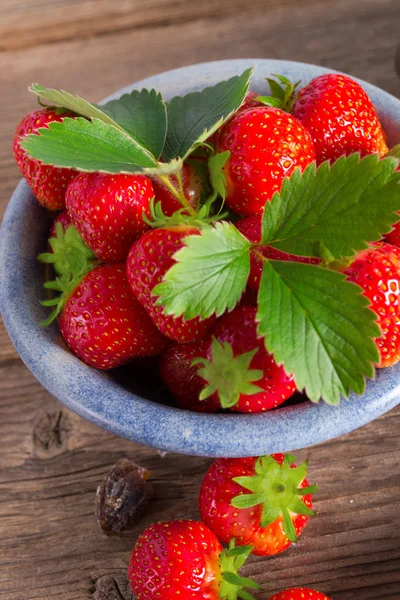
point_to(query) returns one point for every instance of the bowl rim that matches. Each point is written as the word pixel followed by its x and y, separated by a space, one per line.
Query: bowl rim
pixel 144 421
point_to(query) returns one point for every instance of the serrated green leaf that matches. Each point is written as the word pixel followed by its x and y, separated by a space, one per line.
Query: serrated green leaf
pixel 143 115
pixel 88 146
pixel 318 325
pixel 74 103
pixel 342 207
pixel 216 164
pixel 210 273
pixel 196 116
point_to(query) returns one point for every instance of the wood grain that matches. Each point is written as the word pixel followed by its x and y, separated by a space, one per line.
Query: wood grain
pixel 48 21
pixel 51 461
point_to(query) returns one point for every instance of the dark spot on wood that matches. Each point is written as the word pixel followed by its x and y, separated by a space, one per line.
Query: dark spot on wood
pixel 113 587
pixel 51 433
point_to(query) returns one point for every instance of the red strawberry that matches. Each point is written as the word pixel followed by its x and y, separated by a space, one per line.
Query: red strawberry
pixel 181 379
pixel 394 236
pixel 299 594
pixel 148 261
pixel 239 369
pixel 63 218
pixel 250 227
pixel 340 117
pixel 108 211
pixel 48 183
pixel 266 145
pixel 236 371
pixel 377 271
pixel 104 325
pixel 184 559
pixel 191 188
pixel 269 517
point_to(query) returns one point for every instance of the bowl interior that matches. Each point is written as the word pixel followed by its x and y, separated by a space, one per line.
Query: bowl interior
pixel 131 402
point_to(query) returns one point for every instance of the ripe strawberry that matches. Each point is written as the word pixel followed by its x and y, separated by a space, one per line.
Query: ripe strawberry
pixel 394 236
pixel 239 369
pixel 236 372
pixel 181 379
pixel 250 227
pixel 191 188
pixel 377 271
pixel 48 183
pixel 108 210
pixel 266 145
pixel 184 559
pixel 104 325
pixel 340 117
pixel 148 261
pixel 299 594
pixel 271 516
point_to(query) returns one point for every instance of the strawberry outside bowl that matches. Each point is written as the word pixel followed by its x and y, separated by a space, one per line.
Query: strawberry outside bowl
pixel 132 403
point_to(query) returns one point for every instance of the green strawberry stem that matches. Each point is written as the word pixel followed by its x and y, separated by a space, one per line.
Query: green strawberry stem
pixel 228 375
pixel 276 487
pixel 71 260
pixel 232 584
pixel 179 194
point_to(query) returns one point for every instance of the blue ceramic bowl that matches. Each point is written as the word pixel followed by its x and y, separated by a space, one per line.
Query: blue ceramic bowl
pixel 136 413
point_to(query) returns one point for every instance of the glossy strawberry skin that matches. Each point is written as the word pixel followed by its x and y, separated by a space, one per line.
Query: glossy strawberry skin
pixel 181 378
pixel 266 145
pixel 179 559
pixel 48 183
pixel 239 328
pixel 104 325
pixel 191 188
pixel 250 227
pixel 299 594
pixel 340 117
pixel 226 521
pixel 63 218
pixel 148 261
pixel 377 271
pixel 107 210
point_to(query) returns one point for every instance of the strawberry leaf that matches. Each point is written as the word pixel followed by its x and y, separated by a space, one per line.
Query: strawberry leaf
pixel 210 273
pixel 196 116
pixel 319 326
pixel 216 164
pixel 342 206
pixel 143 115
pixel 88 146
pixel 73 103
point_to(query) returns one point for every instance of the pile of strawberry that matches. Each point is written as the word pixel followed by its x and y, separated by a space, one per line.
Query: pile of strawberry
pixel 252 505
pixel 117 235
pixel 223 233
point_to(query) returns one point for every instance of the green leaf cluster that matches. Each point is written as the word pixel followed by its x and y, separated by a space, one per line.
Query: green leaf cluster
pixel 314 322
pixel 137 133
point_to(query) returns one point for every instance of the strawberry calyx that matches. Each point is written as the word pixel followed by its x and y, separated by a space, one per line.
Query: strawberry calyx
pixel 276 487
pixel 62 245
pixel 228 375
pixel 71 260
pixel 232 584
pixel 181 217
pixel 283 93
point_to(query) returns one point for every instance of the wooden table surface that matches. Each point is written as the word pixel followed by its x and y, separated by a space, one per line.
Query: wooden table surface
pixel 51 461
